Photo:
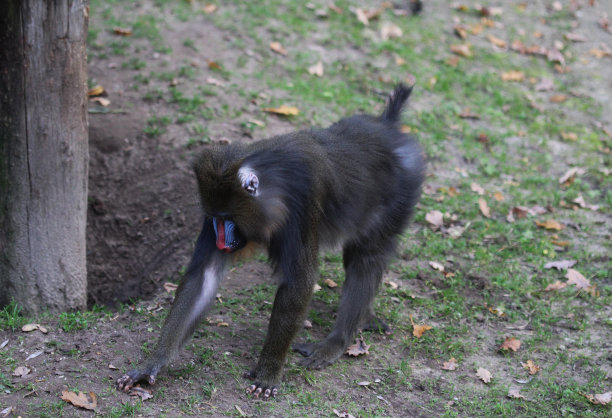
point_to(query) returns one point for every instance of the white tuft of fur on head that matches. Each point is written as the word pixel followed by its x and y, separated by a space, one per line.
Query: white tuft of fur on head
pixel 249 180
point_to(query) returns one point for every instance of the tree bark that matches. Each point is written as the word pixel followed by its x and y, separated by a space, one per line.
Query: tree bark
pixel 44 154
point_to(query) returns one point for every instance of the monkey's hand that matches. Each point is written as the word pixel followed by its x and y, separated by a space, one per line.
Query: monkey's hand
pixel 132 377
pixel 262 388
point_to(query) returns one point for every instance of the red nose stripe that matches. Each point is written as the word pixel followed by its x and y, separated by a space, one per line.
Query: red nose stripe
pixel 220 234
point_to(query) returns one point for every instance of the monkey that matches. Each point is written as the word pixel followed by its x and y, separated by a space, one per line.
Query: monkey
pixel 352 185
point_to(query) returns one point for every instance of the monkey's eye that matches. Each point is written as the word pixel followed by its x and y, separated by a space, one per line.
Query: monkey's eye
pixel 250 182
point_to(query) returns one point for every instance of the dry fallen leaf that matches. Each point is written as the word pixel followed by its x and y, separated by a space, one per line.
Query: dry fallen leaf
pixel 358 349
pixel 30 327
pixel 96 91
pixel 513 76
pixel 21 371
pixel 81 399
pixel 510 343
pixel 361 16
pixel 575 37
pixel 571 136
pixel 283 110
pixel 390 30
pixel 215 82
pixel 278 48
pixel 418 330
pixel 484 208
pixel 170 287
pixel 575 277
pixel 484 375
pixel 316 69
pixel 555 286
pixel 330 283
pixel 545 84
pixel 599 399
pixel 558 98
pixel 435 218
pixel 600 53
pixel 550 224
pixel 569 176
pixel 141 392
pixel 460 31
pixel 209 8
pixel 464 50
pixel 560 265
pixel 450 365
pixel 498 196
pixel 477 189
pixel 343 414
pixel 307 324
pixel 500 43
pixel 122 31
pixel 515 393
pixel 531 367
pixel 436 266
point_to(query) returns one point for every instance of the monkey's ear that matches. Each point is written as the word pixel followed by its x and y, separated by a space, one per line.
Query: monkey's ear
pixel 248 179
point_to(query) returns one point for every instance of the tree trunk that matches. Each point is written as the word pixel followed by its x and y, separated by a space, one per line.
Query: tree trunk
pixel 43 154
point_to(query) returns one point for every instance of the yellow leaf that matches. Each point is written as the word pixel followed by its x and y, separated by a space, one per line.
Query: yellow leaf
pixel 550 224
pixel 96 91
pixel 418 330
pixel 283 110
pixel 531 367
pixel 498 196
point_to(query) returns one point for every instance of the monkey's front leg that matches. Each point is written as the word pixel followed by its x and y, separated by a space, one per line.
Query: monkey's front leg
pixel 194 296
pixel 288 313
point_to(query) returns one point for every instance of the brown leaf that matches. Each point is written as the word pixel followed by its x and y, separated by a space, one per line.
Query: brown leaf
pixel 435 218
pixel 213 65
pixel 316 69
pixel 515 393
pixel 600 53
pixel 464 50
pixel 330 283
pixel 209 8
pixel 513 76
pixel 30 327
pixel 510 343
pixel 500 43
pixel 545 84
pixel 554 55
pixel 361 16
pixel 436 266
pixel 484 208
pixel 283 110
pixel 81 399
pixel 560 265
pixel 569 176
pixel 574 37
pixel 599 399
pixel 278 48
pixel 575 277
pixel 498 196
pixel 558 98
pixel 450 365
pixel 477 189
pixel 170 287
pixel 335 8
pixel 122 31
pixel 418 330
pixel 550 224
pixel 21 371
pixel 358 349
pixel 141 392
pixel 467 114
pixel 390 30
pixel 531 367
pixel 555 286
pixel 460 31
pixel 484 375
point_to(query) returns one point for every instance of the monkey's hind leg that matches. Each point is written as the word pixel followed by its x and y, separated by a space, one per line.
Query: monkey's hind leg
pixel 364 268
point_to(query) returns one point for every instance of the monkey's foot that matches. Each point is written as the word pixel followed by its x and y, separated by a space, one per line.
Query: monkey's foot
pixel 372 323
pixel 319 355
pixel 132 377
pixel 266 391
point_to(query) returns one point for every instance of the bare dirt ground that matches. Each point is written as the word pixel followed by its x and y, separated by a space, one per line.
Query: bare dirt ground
pixel 144 216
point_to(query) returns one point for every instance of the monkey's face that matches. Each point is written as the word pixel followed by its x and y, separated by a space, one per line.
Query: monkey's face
pixel 233 190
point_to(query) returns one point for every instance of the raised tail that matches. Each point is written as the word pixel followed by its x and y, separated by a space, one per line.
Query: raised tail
pixel 395 102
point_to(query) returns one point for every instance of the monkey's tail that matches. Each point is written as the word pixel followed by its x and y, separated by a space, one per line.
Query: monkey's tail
pixel 395 103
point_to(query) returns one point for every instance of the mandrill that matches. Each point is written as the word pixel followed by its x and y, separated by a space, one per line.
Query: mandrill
pixel 354 185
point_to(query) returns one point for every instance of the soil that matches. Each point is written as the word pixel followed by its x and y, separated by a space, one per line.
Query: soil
pixel 143 218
